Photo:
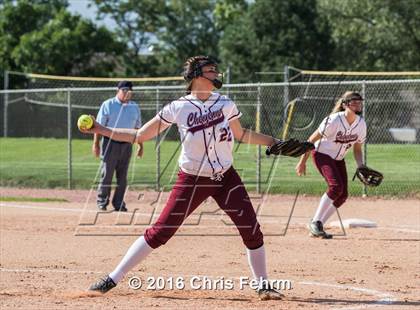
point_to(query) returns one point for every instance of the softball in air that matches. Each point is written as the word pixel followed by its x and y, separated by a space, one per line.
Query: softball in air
pixel 84 122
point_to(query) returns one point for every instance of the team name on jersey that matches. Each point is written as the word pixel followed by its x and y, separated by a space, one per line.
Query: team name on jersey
pixel 199 122
pixel 343 138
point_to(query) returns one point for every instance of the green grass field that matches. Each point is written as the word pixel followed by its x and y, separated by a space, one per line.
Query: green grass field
pixel 43 163
pixel 30 199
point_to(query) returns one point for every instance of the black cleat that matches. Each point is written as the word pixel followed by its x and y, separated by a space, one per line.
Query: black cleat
pixel 121 209
pixel 317 230
pixel 103 285
pixel 268 293
pixel 102 208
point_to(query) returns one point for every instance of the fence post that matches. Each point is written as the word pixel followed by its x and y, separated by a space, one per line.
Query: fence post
pixel 285 98
pixel 364 144
pixel 286 86
pixel 69 138
pixel 157 146
pixel 258 129
pixel 228 80
pixel 6 102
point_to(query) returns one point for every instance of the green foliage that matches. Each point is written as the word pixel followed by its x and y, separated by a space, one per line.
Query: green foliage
pixel 154 37
pixel 379 35
pixel 228 12
pixel 42 37
pixel 161 34
pixel 67 45
pixel 18 18
pixel 275 33
pixel 187 29
pixel 137 22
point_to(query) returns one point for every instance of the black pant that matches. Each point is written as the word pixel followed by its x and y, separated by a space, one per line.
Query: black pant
pixel 115 157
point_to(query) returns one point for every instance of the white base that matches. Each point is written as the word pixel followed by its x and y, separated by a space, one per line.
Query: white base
pixel 353 223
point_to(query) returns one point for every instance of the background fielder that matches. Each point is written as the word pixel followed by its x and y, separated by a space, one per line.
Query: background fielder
pixel 337 133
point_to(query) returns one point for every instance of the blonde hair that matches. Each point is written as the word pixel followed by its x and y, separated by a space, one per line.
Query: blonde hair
pixel 345 98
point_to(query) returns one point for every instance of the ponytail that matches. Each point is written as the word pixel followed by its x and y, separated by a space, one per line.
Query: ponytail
pixel 189 87
pixel 338 107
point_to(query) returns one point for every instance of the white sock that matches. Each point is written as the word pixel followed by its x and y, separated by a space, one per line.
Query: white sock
pixel 256 260
pixel 327 214
pixel 324 203
pixel 135 254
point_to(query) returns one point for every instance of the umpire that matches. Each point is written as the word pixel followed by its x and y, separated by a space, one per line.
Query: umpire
pixel 117 112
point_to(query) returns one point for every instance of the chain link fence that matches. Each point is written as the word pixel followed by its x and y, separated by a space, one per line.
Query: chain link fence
pixel 58 155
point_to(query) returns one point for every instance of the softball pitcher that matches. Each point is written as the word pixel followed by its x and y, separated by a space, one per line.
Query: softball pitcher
pixel 208 123
pixel 337 133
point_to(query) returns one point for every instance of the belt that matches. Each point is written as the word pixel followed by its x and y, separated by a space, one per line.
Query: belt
pixel 114 141
pixel 217 176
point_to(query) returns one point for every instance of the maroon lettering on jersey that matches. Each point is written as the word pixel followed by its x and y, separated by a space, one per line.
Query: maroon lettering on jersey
pixel 342 138
pixel 199 122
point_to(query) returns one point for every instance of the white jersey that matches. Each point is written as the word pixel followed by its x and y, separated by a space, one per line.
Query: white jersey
pixel 338 136
pixel 207 141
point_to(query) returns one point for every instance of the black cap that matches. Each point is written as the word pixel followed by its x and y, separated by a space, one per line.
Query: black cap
pixel 125 84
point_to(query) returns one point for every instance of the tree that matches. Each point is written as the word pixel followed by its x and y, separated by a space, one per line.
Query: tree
pixel 374 34
pixel 41 36
pixel 172 29
pixel 227 12
pixel 137 22
pixel 188 29
pixel 67 45
pixel 274 33
pixel 18 18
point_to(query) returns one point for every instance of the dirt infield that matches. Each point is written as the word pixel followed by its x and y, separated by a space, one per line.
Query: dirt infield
pixel 51 252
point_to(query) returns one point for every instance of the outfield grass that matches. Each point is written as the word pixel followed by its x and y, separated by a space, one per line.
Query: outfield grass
pixel 30 199
pixel 43 163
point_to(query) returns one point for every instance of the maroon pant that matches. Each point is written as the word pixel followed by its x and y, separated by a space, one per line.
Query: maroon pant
pixel 335 173
pixel 190 191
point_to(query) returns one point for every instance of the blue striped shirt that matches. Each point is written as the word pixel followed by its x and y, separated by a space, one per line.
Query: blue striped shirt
pixel 115 114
